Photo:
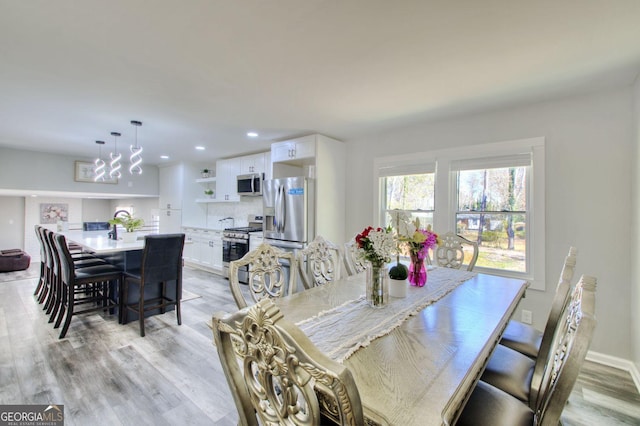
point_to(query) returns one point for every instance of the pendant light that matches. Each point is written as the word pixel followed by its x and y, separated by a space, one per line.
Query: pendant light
pixel 99 168
pixel 114 173
pixel 136 153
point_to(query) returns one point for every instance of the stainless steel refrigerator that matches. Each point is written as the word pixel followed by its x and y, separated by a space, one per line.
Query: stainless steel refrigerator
pixel 289 213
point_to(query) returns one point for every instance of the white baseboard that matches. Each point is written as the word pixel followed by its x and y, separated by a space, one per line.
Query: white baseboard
pixel 615 362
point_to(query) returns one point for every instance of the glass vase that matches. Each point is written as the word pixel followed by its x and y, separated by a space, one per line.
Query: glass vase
pixel 377 286
pixel 417 270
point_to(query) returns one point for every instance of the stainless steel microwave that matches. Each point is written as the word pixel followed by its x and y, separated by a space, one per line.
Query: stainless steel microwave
pixel 250 184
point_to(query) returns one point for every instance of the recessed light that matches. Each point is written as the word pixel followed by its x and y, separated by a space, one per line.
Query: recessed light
pixel 200 148
pixel 164 157
pixel 252 134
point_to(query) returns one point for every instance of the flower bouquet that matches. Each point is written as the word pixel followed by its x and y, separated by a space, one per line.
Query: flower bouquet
pixel 376 246
pixel 418 242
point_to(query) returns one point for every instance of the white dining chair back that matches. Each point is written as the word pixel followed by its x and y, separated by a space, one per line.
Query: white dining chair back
pixel 319 262
pixel 353 263
pixel 451 250
pixel 272 273
pixel 277 375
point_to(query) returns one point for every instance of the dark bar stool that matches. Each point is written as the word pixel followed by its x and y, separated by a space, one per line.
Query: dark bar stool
pixel 161 262
pixel 40 286
pixel 94 288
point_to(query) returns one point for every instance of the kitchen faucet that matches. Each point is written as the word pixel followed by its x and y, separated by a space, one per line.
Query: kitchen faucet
pixel 113 234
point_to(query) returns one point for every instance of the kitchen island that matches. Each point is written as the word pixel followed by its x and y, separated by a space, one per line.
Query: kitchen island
pixel 126 256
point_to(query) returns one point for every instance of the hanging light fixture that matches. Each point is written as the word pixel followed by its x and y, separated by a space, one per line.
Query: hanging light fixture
pixel 136 153
pixel 114 173
pixel 99 168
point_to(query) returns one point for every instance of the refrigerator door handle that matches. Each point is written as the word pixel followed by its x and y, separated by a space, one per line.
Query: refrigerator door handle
pixel 278 208
pixel 283 207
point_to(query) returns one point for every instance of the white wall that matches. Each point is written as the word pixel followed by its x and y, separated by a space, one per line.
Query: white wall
pixel 588 191
pixel 94 210
pixel 12 223
pixel 28 170
pixel 32 217
pixel 635 252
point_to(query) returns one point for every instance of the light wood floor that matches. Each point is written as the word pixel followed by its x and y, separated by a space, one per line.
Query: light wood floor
pixel 105 373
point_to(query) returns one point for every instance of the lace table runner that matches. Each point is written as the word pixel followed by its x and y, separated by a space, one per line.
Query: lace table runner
pixel 341 331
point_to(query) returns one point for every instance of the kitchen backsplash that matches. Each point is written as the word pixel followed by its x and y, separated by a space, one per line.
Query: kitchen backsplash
pixel 238 211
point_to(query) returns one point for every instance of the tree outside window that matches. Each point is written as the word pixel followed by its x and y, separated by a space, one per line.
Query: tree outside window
pixel 492 210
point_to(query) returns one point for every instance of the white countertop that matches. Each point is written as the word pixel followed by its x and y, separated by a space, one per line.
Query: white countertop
pixel 99 242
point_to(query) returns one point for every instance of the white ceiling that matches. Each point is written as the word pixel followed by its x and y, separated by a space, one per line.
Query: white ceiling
pixel 204 72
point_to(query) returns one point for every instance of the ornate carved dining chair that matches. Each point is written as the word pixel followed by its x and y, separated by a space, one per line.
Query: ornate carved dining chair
pixel 353 263
pixel 489 405
pixel 519 372
pixel 525 338
pixel 277 375
pixel 272 273
pixel 451 249
pixel 319 262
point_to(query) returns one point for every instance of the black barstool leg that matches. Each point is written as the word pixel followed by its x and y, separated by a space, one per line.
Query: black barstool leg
pixel 141 309
pixel 63 305
pixel 67 319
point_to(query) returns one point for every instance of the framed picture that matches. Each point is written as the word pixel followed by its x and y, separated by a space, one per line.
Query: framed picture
pixel 52 213
pixel 84 173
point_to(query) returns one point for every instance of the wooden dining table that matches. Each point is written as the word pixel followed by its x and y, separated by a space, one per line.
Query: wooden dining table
pixel 422 371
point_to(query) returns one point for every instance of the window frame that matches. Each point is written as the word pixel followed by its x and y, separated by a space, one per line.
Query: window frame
pixel 445 204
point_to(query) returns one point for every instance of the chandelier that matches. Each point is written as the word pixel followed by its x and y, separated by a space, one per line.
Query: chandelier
pixel 136 153
pixel 99 168
pixel 114 173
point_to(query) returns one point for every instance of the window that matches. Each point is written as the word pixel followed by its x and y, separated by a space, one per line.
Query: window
pixel 409 187
pixel 492 210
pixel 484 193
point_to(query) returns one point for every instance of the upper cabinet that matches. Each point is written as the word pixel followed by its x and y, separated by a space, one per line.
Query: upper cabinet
pixel 254 163
pixel 227 172
pixel 324 160
pixel 171 182
pixel 294 151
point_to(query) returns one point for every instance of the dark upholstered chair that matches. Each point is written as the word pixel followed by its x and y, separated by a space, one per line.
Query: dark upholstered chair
pixel 84 290
pixel 40 287
pixel 491 406
pixel 519 373
pixel 161 263
pixel 526 339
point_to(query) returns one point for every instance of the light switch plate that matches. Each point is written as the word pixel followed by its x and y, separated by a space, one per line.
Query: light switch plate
pixel 527 316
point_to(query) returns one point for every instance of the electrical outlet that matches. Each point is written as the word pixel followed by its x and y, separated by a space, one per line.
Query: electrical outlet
pixel 527 316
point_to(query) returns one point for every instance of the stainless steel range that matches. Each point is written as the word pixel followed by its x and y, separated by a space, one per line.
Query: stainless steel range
pixel 235 244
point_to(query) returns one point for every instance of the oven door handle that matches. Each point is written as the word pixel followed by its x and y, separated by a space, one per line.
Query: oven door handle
pixel 235 240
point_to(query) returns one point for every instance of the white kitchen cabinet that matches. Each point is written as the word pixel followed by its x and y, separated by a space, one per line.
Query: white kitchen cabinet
pixel 255 239
pixel 205 250
pixel 294 151
pixel 169 221
pixel 322 159
pixel 171 183
pixel 216 240
pixel 254 163
pixel 227 172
